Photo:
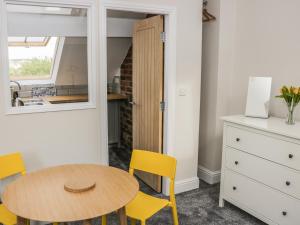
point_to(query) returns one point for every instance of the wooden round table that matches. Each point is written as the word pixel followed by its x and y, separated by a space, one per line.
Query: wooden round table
pixel 42 195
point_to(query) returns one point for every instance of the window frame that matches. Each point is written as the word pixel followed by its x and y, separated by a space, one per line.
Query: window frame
pixel 40 44
pixel 54 67
pixel 92 54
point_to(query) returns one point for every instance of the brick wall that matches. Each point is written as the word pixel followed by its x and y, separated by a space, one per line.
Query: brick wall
pixel 126 108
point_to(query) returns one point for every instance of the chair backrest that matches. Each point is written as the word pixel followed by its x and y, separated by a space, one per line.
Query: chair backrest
pixel 154 163
pixel 11 164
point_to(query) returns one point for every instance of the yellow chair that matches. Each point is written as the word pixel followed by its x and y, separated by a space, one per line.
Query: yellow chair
pixel 10 165
pixel 145 206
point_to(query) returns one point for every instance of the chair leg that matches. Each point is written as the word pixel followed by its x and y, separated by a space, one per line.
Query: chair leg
pixel 132 221
pixel 104 220
pixel 175 215
pixel 55 223
pixel 143 222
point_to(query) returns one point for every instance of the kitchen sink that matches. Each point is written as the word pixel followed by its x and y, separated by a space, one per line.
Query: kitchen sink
pixel 33 103
pixel 30 102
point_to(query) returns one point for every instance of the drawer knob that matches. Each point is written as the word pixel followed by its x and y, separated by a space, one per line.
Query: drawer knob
pixel 236 162
pixel 288 183
pixel 284 213
pixel 237 139
pixel 291 156
pixel 234 188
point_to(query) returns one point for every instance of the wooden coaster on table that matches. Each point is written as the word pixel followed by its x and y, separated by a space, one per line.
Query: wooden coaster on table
pixel 79 186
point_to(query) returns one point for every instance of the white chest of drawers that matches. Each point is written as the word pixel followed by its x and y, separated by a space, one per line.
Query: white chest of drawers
pixel 261 168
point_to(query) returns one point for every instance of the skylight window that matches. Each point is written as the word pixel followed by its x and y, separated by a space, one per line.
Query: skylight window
pixel 28 41
pixel 32 58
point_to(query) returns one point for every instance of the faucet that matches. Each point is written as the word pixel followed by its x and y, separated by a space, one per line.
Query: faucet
pixel 15 100
pixel 17 83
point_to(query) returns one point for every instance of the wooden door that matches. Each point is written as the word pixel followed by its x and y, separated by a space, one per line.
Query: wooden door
pixel 148 82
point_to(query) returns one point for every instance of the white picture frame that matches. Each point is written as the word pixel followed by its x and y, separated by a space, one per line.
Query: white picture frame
pixel 258 98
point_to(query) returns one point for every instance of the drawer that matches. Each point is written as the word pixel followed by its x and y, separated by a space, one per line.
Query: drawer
pixel 280 151
pixel 272 204
pixel 274 175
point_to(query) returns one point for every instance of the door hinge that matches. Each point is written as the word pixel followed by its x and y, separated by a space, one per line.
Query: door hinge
pixel 163 36
pixel 162 106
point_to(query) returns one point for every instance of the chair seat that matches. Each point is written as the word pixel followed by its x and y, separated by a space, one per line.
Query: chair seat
pixel 144 206
pixel 6 217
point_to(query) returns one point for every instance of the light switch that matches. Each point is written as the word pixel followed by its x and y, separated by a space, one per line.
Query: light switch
pixel 182 92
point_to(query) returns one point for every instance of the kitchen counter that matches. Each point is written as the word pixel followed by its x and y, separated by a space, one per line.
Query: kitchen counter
pixel 76 98
pixel 81 98
pixel 116 97
pixel 66 99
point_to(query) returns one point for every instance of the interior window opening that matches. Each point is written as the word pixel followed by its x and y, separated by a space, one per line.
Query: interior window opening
pixel 49 57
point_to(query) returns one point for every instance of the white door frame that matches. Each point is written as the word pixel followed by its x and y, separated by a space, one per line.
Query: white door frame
pixel 169 73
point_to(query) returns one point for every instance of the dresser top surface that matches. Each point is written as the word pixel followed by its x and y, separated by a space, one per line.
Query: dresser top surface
pixel 273 125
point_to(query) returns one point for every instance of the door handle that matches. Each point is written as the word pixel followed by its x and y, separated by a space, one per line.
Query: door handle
pixel 131 100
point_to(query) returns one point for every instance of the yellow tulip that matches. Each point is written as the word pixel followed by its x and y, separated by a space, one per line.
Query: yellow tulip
pixel 295 90
pixel 283 89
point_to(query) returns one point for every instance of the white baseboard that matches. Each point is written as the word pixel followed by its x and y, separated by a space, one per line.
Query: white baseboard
pixel 210 177
pixel 186 185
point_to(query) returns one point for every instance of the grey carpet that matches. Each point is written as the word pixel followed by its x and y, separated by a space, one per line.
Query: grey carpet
pixel 197 207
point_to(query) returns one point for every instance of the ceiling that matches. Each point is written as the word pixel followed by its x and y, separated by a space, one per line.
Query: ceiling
pixel 32 9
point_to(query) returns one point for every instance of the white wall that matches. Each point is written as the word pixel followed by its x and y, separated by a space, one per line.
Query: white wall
pixel 119 39
pixel 61 137
pixel 35 25
pixel 120 27
pixel 52 138
pixel 267 44
pixel 117 49
pixel 256 38
pixel 73 67
pixel 218 68
pixel 189 45
pixel 209 91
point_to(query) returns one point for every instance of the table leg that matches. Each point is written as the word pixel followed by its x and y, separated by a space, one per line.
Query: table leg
pixel 122 216
pixel 21 221
pixel 87 222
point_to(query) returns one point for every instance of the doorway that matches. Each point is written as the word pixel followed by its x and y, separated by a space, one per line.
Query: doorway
pixel 135 69
pixel 169 72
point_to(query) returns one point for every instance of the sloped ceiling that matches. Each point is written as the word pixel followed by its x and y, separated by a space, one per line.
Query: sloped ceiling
pixel 117 49
pixel 118 43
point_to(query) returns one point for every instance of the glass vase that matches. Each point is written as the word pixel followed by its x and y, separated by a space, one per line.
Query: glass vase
pixel 290 120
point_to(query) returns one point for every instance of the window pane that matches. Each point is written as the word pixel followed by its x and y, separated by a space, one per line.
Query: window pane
pixel 48 55
pixel 31 62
